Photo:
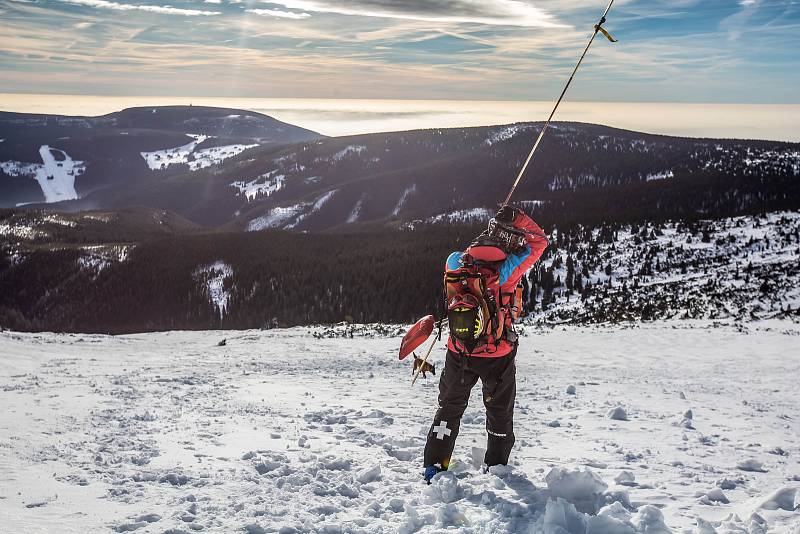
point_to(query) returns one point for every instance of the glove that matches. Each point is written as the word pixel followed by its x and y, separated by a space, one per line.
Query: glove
pixel 507 214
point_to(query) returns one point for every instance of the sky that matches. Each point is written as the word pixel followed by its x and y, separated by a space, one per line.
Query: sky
pixel 704 51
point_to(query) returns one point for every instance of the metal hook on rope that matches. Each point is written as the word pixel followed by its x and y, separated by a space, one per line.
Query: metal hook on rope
pixel 598 28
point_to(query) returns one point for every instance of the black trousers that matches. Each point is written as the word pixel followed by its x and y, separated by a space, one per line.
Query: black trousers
pixel 461 373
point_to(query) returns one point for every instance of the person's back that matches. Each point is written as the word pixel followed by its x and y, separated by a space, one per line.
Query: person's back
pixel 480 285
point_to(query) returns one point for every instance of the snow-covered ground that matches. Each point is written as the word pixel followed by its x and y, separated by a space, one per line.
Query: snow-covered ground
pixel 264 185
pixel 188 154
pixel 275 218
pixel 289 217
pixel 407 192
pixel 746 266
pixel 55 176
pixel 474 215
pixel 96 258
pixel 295 430
pixel 506 132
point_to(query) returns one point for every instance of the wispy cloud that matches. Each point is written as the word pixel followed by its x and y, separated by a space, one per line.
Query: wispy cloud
pixel 492 12
pixel 669 50
pixel 277 13
pixel 164 10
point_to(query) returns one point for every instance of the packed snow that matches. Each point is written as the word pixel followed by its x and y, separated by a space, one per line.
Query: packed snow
pixel 195 159
pixel 312 430
pixel 55 176
pixel 215 277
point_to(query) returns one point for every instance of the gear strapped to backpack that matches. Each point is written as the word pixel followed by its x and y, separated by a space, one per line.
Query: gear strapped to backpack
pixel 472 292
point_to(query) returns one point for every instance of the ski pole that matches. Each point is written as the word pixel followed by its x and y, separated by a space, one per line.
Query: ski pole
pixel 597 28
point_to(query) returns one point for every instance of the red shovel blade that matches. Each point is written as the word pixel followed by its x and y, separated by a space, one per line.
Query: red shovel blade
pixel 417 335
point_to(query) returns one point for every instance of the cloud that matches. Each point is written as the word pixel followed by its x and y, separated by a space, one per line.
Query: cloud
pixel 491 12
pixel 278 14
pixel 164 10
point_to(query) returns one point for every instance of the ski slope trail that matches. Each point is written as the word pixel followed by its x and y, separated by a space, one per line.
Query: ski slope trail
pixel 663 427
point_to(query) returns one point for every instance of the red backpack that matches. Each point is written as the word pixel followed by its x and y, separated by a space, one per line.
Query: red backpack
pixel 478 315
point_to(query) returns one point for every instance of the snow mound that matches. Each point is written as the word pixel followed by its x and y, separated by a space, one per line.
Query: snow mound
pixel 714 496
pixel 787 498
pixel 617 414
pixel 443 488
pixel 751 465
pixel 583 489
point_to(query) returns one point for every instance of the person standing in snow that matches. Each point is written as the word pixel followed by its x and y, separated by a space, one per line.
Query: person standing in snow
pixel 482 300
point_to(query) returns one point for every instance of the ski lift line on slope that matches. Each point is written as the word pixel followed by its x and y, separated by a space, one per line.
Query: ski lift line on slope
pixel 598 28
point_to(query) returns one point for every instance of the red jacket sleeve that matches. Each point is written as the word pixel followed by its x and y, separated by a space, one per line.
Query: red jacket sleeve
pixel 516 265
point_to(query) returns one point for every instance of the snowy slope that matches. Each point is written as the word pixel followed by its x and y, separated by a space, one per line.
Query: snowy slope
pixel 189 154
pixel 736 267
pixel 55 175
pixel 308 430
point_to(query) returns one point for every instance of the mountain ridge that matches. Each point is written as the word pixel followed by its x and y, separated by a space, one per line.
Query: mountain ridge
pixel 129 147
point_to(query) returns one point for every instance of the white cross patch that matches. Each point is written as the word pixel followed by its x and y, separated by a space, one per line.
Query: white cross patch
pixel 441 430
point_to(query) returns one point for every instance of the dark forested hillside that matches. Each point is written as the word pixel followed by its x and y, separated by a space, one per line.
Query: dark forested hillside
pixel 270 278
pixel 583 173
pixel 150 270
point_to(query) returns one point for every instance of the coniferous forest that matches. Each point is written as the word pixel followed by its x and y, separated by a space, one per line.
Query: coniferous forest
pixel 179 278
